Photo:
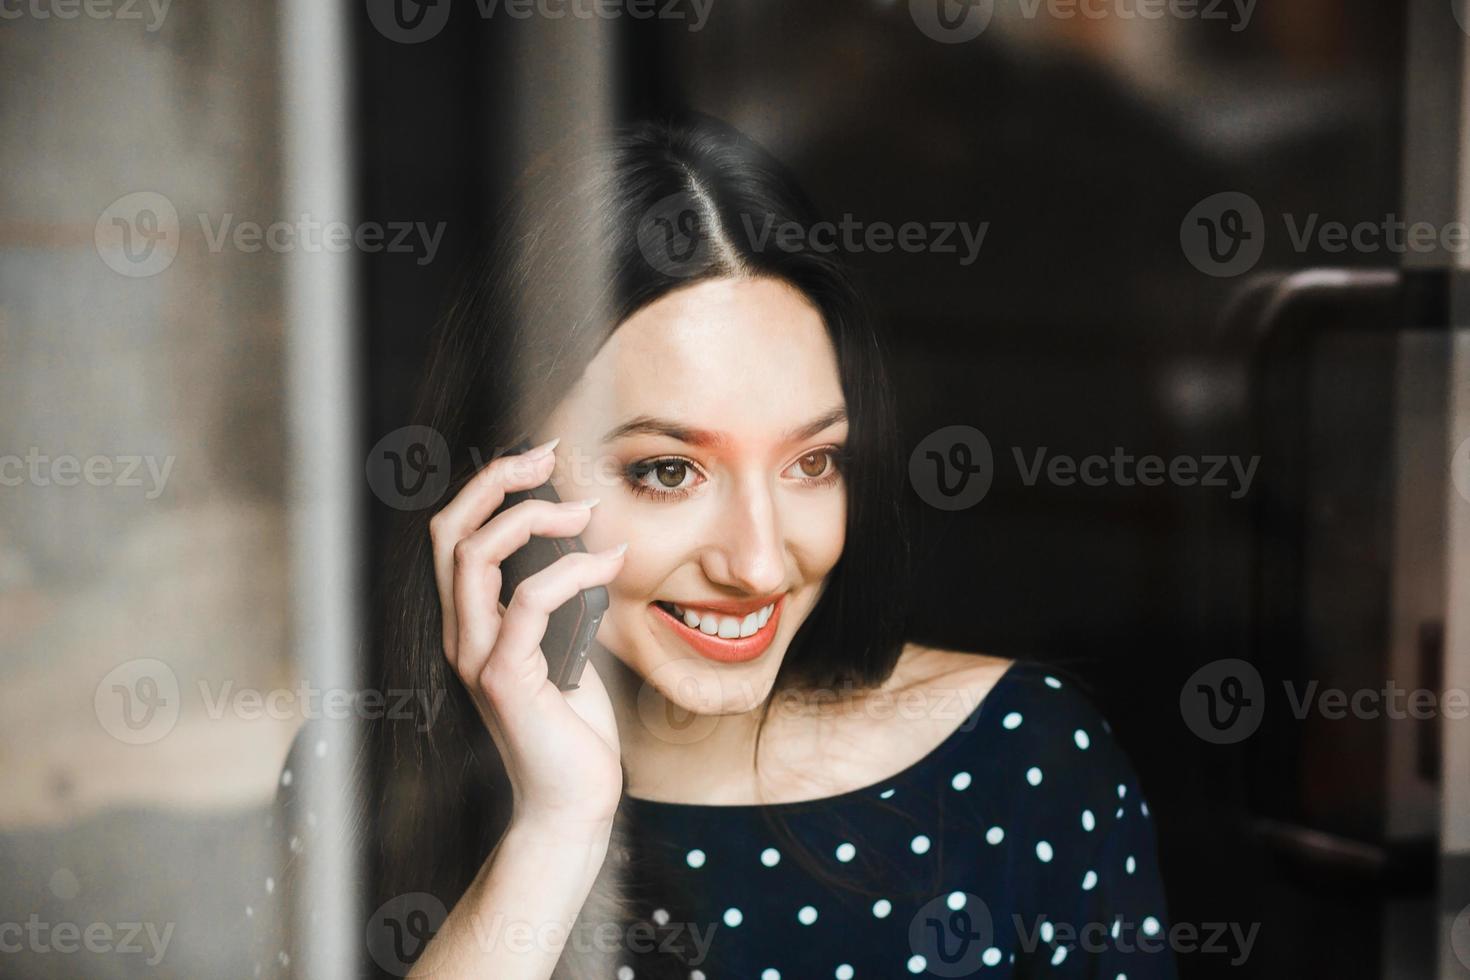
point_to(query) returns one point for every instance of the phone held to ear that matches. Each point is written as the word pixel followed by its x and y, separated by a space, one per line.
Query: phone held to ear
pixel 571 626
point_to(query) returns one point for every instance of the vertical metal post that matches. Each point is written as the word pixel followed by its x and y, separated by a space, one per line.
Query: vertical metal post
pixel 326 470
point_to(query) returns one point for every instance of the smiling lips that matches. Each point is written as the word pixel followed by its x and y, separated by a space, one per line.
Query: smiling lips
pixel 721 636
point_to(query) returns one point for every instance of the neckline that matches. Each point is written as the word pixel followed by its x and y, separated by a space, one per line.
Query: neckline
pixel 970 723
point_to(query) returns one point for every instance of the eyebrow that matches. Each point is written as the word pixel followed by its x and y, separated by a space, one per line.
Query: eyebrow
pixel 650 425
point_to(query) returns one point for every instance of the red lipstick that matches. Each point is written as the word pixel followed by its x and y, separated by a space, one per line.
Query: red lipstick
pixel 733 650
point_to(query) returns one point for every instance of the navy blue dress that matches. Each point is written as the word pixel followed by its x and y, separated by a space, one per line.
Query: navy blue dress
pixel 1021 846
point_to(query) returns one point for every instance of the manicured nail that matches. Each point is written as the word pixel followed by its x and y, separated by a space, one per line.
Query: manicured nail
pixel 542 450
pixel 585 502
pixel 615 551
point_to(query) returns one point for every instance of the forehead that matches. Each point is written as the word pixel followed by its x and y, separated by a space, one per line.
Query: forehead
pixel 726 354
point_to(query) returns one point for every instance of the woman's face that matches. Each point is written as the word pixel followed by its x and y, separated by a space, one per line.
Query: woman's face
pixel 707 425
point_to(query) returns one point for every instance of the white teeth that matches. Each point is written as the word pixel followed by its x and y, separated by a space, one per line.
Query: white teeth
pixel 728 627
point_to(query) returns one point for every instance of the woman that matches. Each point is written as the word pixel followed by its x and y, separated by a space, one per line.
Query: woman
pixel 757 776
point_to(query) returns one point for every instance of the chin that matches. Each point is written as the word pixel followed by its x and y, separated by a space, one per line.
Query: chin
pixel 682 676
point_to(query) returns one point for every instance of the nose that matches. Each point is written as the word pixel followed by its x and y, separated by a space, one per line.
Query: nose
pixel 748 549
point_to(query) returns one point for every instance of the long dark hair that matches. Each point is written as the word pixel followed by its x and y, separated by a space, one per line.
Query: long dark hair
pixel 673 202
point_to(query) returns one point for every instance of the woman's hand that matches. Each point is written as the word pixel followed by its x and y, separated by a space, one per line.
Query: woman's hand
pixel 560 747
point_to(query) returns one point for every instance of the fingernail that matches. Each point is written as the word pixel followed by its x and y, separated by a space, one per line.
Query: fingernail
pixel 615 551
pixel 585 502
pixel 542 450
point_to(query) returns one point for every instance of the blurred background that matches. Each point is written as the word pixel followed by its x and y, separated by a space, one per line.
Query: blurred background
pixel 1219 234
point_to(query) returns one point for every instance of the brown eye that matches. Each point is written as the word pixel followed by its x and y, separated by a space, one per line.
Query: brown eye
pixel 814 464
pixel 671 473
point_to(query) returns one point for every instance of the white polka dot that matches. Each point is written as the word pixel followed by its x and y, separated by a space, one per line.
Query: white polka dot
pixel 695 858
pixel 882 907
pixel 919 845
pixel 1130 865
pixel 882 796
pixel 1122 791
pixel 249 912
pixel 994 835
pixel 955 901
pixel 961 780
pixel 807 915
pixel 1121 976
pixel 844 972
pixel 1052 682
pixel 321 748
pixel 1043 850
pixel 696 975
pixel 1088 821
pixel 1117 926
pixel 1118 813
pixel 661 916
pixel 917 963
pixel 1033 776
pixel 270 886
pixel 1150 926
pixel 1080 737
pixel 286 778
pixel 846 852
pixel 1058 956
pixel 1047 932
pixel 625 973
pixel 1011 721
pixel 770 973
pixel 990 957
pixel 733 917
pixel 770 857
pixel 1089 881
pixel 1143 808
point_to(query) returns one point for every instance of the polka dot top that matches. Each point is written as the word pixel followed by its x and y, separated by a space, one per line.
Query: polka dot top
pixel 1021 846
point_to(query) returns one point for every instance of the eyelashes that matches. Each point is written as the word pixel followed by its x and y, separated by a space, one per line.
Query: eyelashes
pixel 636 474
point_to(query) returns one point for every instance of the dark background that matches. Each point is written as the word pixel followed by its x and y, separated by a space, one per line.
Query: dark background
pixel 1081 327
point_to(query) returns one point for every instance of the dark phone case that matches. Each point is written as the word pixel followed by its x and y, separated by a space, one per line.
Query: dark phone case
pixel 572 625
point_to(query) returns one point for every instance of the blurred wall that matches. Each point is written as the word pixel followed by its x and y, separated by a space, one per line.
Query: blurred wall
pixel 142 544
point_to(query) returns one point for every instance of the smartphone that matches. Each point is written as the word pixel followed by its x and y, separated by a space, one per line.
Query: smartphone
pixel 572 626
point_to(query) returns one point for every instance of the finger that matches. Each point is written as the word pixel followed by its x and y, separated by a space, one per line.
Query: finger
pixel 477 572
pixel 470 508
pixel 516 663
